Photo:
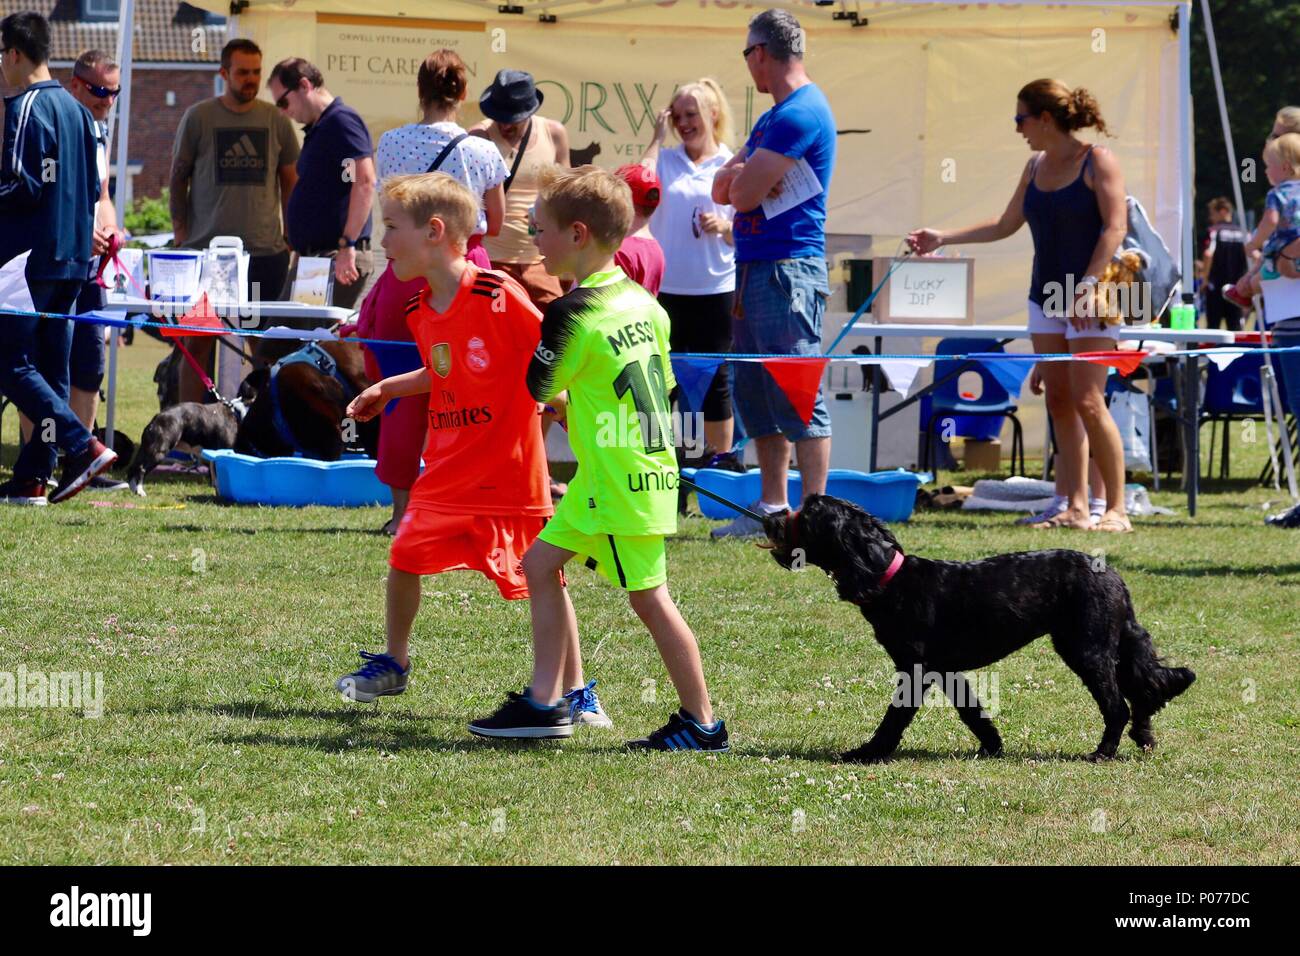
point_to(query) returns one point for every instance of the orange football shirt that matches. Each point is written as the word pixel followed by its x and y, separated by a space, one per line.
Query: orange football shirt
pixel 484 454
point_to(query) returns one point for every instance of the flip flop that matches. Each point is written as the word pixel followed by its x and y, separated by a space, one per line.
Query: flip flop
pixel 1114 526
pixel 1058 521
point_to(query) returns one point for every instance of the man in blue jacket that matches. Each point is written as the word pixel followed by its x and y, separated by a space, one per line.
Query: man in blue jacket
pixel 49 184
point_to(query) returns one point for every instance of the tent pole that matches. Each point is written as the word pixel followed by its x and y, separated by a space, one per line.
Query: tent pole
pixel 126 50
pixel 1185 140
pixel 1234 172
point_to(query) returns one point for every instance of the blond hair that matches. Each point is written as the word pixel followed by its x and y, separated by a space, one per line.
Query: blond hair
pixel 1285 148
pixel 1288 117
pixel 590 195
pixel 425 196
pixel 710 100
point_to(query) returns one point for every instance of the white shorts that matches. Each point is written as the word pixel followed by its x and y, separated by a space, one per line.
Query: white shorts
pixel 1041 324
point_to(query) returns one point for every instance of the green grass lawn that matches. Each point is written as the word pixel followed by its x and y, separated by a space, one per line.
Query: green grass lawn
pixel 219 631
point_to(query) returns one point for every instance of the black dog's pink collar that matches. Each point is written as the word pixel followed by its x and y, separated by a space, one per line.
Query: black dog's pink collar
pixel 896 562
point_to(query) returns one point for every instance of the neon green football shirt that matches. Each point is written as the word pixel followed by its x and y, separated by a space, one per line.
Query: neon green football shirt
pixel 606 341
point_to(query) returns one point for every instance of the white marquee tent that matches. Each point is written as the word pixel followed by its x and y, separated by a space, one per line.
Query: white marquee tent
pixel 923 92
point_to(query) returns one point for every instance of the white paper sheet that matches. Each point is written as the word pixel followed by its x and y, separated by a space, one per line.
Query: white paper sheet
pixel 798 185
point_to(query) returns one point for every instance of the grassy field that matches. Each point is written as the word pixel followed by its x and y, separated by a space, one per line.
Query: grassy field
pixel 219 631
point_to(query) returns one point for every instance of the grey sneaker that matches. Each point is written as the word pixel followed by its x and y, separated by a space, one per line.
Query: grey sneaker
pixel 585 709
pixel 379 676
pixel 742 526
pixel 1058 505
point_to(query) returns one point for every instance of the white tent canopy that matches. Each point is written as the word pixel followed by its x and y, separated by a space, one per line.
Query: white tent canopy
pixel 935 82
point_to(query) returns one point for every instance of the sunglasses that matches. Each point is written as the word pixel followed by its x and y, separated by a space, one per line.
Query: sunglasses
pixel 100 92
pixel 1021 117
pixel 750 49
pixel 283 102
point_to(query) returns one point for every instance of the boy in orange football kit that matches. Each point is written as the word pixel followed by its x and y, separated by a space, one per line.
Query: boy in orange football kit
pixel 483 496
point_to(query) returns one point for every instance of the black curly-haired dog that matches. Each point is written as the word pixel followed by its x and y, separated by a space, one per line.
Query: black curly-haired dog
pixel 940 618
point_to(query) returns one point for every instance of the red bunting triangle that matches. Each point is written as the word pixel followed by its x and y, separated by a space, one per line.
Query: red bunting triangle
pixel 1125 362
pixel 800 379
pixel 201 316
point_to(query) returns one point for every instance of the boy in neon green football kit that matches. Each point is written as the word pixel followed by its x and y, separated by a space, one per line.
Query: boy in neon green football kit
pixel 606 343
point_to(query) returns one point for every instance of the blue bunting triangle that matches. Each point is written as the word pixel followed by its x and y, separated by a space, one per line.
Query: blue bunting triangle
pixel 1009 372
pixel 694 376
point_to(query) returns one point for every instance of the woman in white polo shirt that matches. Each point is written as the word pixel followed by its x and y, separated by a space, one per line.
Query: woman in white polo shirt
pixel 695 232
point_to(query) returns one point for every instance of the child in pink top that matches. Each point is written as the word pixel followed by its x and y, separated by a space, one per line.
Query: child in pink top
pixel 640 256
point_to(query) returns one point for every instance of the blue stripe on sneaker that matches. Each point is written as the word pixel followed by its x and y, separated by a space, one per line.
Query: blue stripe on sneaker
pixel 672 742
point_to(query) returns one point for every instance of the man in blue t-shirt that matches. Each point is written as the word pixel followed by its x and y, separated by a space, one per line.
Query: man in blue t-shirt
pixel 781 282
pixel 329 213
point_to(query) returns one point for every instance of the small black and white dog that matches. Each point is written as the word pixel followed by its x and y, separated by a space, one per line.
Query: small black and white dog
pixel 199 425
pixel 940 618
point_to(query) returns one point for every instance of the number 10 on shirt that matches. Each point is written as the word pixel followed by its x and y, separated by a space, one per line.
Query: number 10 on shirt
pixel 650 398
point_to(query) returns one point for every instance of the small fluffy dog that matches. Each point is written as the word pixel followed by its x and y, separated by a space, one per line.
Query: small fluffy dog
pixel 1117 288
pixel 940 618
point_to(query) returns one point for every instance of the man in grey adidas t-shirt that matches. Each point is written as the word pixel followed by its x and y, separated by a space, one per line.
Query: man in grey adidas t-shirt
pixel 233 168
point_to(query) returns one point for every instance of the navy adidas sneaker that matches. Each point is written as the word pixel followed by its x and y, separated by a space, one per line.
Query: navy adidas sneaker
pixel 684 732
pixel 520 719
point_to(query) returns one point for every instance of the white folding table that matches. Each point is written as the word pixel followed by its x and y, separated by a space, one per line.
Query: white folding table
pixel 1186 378
pixel 247 316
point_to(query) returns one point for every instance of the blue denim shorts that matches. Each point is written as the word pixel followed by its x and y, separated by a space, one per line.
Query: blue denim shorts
pixel 86 361
pixel 779 308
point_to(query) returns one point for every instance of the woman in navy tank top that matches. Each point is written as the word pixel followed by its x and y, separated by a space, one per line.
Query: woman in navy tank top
pixel 1072 195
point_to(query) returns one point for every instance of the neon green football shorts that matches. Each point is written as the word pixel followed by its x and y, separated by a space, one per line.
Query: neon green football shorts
pixel 632 562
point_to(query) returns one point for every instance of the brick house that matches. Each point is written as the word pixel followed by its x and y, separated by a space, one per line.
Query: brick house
pixel 177 54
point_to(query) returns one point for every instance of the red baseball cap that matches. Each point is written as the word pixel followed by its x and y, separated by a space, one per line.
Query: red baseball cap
pixel 644 185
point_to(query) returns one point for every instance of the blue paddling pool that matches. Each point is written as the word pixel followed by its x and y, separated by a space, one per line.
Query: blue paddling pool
pixel 889 495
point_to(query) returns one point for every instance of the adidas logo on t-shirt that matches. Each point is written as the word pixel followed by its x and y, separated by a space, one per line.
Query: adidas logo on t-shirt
pixel 241 156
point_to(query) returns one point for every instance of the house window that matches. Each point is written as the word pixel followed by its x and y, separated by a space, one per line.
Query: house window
pixel 99 9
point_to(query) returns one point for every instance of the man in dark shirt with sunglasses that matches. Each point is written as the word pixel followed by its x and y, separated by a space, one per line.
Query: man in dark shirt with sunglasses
pixel 96 83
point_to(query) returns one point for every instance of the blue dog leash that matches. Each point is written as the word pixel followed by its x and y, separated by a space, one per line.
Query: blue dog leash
pixel 867 302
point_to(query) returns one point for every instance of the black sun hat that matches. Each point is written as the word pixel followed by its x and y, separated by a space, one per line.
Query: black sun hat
pixel 511 98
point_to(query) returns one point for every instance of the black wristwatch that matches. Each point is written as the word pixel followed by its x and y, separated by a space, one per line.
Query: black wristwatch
pixel 346 243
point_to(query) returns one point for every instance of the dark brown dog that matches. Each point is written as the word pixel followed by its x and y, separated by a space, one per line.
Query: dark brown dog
pixel 304 411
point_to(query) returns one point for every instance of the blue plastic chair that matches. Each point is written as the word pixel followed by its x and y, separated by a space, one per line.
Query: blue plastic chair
pixel 1233 394
pixel 947 402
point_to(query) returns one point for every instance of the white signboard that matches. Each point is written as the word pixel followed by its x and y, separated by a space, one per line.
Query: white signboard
pixel 927 290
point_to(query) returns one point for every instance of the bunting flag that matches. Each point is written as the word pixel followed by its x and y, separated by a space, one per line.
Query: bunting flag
pixel 694 376
pixel 800 379
pixel 1125 363
pixel 1222 358
pixel 902 373
pixel 1009 371
pixel 201 316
